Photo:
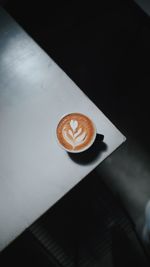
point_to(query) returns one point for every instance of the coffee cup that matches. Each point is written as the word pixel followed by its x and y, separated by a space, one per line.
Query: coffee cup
pixel 75 132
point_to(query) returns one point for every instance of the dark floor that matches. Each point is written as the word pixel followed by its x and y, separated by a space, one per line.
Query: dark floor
pixel 105 50
pixel 87 228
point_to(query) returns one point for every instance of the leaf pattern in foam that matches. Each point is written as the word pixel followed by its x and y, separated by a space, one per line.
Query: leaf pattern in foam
pixel 71 133
pixel 67 138
pixel 80 138
pixel 78 132
pixel 74 125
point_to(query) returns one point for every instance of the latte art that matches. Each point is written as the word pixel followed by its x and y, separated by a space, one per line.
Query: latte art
pixel 74 136
pixel 75 132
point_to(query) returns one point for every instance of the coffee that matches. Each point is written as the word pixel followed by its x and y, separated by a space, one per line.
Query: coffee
pixel 76 132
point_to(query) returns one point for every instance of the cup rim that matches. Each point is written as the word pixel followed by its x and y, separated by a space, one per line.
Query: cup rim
pixel 85 148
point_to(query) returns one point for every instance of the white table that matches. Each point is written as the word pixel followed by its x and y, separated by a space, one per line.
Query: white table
pixel 34 93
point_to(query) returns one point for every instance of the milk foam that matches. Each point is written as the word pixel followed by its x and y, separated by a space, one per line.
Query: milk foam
pixel 74 135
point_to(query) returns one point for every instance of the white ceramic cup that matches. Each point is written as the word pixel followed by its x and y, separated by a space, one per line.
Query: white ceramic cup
pixel 88 145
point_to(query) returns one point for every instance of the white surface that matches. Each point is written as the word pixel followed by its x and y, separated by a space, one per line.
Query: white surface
pixel 34 171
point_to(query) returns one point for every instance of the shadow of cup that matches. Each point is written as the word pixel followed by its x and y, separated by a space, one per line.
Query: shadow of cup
pixel 91 154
